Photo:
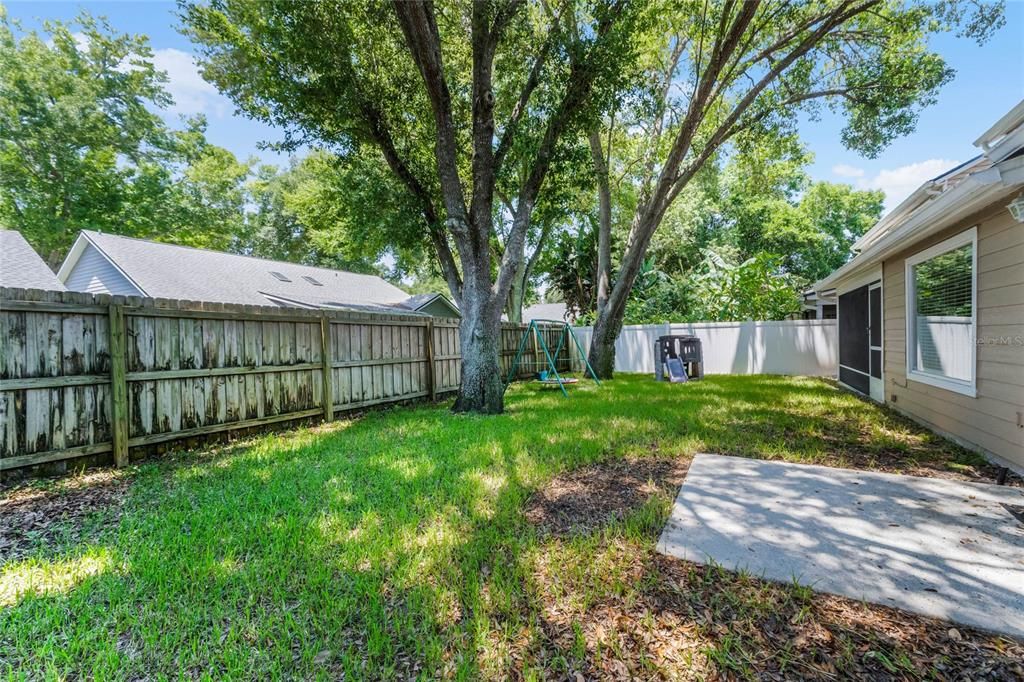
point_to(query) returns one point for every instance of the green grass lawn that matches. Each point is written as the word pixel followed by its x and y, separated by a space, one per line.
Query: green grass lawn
pixel 395 544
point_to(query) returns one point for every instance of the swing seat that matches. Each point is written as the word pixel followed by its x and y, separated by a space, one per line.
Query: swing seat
pixel 555 383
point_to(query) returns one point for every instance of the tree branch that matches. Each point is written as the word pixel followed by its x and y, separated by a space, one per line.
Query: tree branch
pixel 726 129
pixel 419 27
pixel 580 82
pixel 659 122
pixel 532 80
pixel 483 172
pixel 697 110
pixel 502 18
pixel 381 136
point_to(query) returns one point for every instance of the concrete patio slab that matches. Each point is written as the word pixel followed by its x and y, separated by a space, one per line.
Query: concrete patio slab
pixel 940 548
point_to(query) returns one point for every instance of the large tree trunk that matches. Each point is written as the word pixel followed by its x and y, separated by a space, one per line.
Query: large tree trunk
pixel 602 346
pixel 517 293
pixel 609 318
pixel 481 388
pixel 604 228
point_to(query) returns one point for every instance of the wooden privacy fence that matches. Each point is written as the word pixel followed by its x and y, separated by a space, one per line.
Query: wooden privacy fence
pixel 84 374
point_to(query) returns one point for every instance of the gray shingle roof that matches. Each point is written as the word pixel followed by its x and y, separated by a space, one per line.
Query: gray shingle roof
pixel 21 266
pixel 170 271
pixel 417 301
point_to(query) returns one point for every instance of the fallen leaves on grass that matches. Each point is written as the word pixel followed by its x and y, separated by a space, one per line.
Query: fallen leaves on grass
pixel 679 620
pixel 45 514
pixel 584 499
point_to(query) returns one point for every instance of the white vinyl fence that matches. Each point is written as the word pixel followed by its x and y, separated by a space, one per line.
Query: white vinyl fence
pixel 803 347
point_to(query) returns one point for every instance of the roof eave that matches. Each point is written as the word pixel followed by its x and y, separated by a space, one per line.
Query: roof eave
pixel 76 252
pixel 1006 146
pixel 966 198
pixel 1014 118
pixel 915 202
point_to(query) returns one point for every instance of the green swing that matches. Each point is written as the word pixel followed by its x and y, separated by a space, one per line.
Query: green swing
pixel 559 381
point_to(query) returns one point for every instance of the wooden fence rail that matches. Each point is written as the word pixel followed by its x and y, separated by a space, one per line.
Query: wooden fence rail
pixel 84 374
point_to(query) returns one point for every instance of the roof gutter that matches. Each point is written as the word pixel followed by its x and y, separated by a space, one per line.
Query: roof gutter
pixel 1010 120
pixel 930 189
pixel 966 198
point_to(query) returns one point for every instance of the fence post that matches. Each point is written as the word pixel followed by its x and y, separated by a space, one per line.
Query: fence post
pixel 430 359
pixel 118 384
pixel 327 367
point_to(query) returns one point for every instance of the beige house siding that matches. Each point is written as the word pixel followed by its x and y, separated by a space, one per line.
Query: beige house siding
pixel 989 422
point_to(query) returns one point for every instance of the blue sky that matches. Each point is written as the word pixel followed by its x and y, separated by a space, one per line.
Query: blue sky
pixel 989 81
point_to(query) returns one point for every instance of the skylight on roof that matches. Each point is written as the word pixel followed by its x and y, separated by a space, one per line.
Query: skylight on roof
pixel 312 280
pixel 279 276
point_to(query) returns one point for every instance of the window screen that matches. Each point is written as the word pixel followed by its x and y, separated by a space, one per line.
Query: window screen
pixel 943 310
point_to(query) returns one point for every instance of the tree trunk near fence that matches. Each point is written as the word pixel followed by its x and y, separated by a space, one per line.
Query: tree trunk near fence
pixel 470 223
pixel 602 346
pixel 481 388
pixel 604 227
pixel 610 318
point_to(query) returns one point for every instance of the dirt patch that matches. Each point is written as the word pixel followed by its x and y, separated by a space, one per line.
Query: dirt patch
pixel 680 620
pixel 47 514
pixel 582 500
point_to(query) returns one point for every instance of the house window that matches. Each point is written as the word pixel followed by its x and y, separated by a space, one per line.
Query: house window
pixel 312 280
pixel 280 276
pixel 941 313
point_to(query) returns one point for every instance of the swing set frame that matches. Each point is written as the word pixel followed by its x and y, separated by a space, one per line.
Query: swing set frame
pixel 567 332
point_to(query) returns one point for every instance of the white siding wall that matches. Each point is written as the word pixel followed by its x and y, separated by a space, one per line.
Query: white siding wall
pixel 94 274
pixel 800 347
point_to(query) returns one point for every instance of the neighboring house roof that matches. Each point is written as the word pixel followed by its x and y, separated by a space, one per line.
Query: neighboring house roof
pixel 546 311
pixel 420 302
pixel 812 298
pixel 417 301
pixel 995 175
pixel 162 270
pixel 21 266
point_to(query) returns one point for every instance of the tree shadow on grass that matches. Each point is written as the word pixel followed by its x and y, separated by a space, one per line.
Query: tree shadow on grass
pixel 365 550
pixel 384 547
pixel 676 620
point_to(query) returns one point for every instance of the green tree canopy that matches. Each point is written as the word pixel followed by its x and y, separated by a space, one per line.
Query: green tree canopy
pixel 752 218
pixel 729 77
pixel 460 101
pixel 82 145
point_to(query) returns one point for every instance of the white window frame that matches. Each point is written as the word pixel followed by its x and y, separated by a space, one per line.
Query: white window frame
pixel 968 388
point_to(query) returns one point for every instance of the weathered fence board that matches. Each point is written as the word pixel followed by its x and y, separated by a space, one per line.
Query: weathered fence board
pixel 69 387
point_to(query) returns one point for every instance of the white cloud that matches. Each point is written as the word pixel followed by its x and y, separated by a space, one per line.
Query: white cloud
pixel 897 183
pixel 81 41
pixel 192 94
pixel 845 170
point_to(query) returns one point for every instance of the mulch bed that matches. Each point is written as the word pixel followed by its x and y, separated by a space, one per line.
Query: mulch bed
pixel 686 621
pixel 47 514
pixel 680 620
pixel 585 499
